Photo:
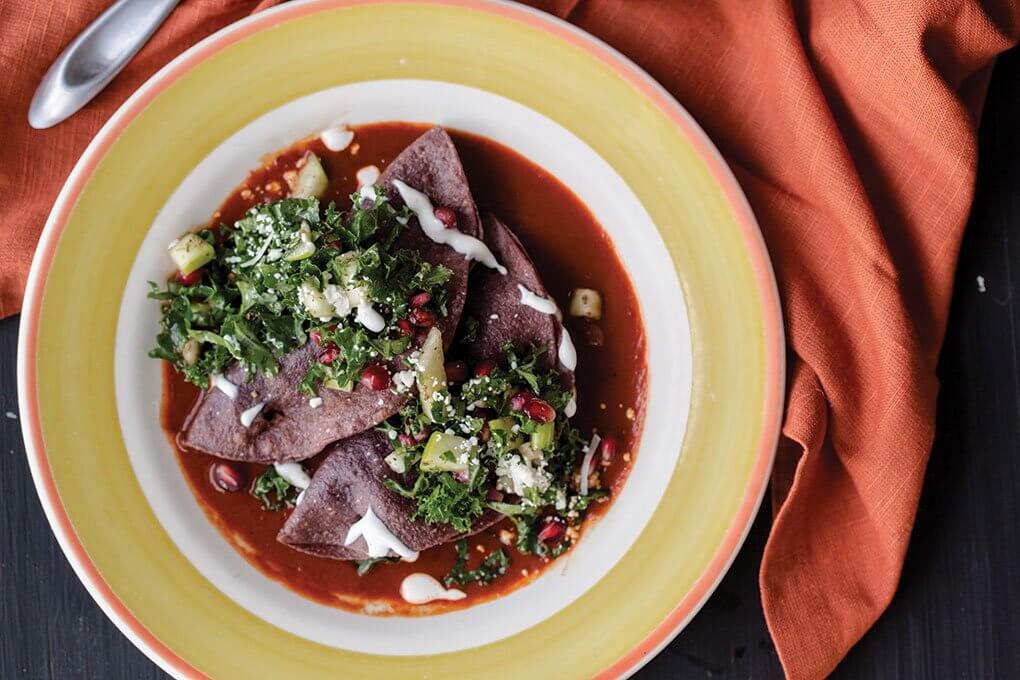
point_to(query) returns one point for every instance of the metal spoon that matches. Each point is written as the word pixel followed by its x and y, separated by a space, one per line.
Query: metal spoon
pixel 93 58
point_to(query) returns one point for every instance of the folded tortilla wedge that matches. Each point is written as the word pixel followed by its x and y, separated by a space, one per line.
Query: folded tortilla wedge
pixel 288 428
pixel 351 478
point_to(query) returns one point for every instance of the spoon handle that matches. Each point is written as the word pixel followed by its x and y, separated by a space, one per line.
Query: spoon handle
pixel 94 57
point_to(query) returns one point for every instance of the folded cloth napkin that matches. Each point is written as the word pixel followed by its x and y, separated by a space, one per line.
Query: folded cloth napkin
pixel 35 163
pixel 851 126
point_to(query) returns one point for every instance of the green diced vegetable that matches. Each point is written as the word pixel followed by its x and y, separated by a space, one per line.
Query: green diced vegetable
pixel 311 179
pixel 191 252
pixel 396 462
pixel 504 426
pixel 501 424
pixel 315 302
pixel 302 251
pixel 543 436
pixel 189 352
pixel 447 453
pixel 587 303
pixel 346 266
pixel 431 367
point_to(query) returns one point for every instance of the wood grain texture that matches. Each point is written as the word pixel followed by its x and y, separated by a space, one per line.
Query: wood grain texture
pixel 955 615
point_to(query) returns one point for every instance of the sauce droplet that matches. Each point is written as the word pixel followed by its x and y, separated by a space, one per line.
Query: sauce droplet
pixel 378 538
pixel 536 302
pixel 225 386
pixel 294 473
pixel 337 138
pixel 419 588
pixel 567 353
pixel 248 415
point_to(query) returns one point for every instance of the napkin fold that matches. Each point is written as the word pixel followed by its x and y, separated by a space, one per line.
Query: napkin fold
pixel 850 125
pixel 35 163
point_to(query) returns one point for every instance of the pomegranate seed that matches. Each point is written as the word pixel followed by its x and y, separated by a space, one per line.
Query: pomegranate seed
pixel 520 400
pixel 420 299
pixel 447 217
pixel 420 317
pixel 608 448
pixel 552 531
pixel 316 337
pixel 421 436
pixel 376 377
pixel 225 477
pixel 485 433
pixel 456 371
pixel 540 410
pixel 405 327
pixel 494 495
pixel 406 439
pixel 484 368
pixel 329 355
pixel 189 279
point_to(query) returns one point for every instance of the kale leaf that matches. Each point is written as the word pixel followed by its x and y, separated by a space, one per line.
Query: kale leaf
pixel 274 491
pixel 251 304
pixel 365 566
pixel 493 566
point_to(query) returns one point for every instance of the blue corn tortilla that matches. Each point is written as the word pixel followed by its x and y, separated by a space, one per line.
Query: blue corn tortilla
pixel 348 482
pixel 288 428
pixel 351 478
pixel 494 301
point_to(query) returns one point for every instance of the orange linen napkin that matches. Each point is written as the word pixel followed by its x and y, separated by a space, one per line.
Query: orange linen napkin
pixel 850 125
pixel 35 163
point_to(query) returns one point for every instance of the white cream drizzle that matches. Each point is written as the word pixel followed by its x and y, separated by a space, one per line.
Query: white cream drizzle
pixel 571 408
pixel 589 453
pixel 367 176
pixel 369 318
pixel 337 138
pixel 536 302
pixel 225 386
pixel 468 246
pixel 567 352
pixel 419 588
pixel 366 314
pixel 294 474
pixel 248 415
pixel 378 537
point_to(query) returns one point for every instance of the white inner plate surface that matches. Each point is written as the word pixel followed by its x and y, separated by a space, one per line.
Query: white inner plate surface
pixel 138 378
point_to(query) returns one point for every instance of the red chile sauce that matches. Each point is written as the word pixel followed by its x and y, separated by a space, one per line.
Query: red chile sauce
pixel 570 250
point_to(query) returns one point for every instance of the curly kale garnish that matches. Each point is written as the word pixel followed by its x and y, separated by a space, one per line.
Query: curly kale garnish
pixel 493 566
pixel 290 269
pixel 274 491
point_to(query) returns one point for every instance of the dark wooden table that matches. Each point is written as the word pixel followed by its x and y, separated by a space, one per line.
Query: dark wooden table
pixel 957 612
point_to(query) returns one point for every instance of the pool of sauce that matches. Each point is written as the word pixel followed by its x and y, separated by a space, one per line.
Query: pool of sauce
pixel 570 249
